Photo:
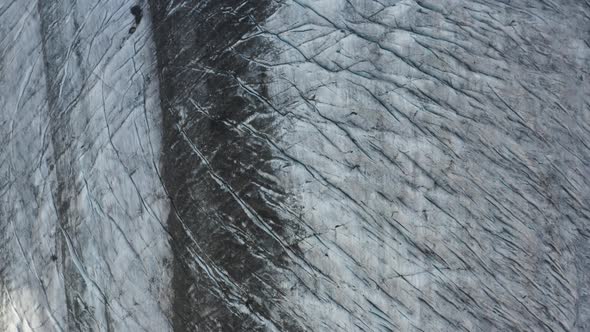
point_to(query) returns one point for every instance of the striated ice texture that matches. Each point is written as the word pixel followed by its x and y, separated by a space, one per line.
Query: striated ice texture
pixel 82 210
pixel 297 165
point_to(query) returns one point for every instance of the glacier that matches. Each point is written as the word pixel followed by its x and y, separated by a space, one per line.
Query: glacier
pixel 296 165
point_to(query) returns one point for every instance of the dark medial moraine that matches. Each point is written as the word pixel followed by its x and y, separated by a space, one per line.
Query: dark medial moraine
pixel 210 169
